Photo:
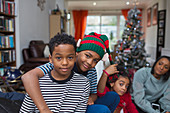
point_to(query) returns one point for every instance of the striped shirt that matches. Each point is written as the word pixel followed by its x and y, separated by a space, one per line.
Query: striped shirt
pixel 90 74
pixel 70 95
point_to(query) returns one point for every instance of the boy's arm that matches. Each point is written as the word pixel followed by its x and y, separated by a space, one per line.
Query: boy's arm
pixel 92 99
pixel 112 69
pixel 102 83
pixel 31 84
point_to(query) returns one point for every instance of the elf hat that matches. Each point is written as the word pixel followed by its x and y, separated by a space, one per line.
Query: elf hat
pixel 97 43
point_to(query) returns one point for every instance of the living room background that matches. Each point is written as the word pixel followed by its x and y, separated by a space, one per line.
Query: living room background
pixel 33 24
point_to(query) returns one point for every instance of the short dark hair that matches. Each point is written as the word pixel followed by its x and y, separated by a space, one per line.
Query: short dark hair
pixel 167 74
pixel 61 39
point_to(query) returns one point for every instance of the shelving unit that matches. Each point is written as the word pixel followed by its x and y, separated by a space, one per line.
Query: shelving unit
pixel 7 34
pixel 57 24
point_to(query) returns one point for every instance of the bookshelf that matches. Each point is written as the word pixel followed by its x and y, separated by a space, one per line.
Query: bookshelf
pixel 7 34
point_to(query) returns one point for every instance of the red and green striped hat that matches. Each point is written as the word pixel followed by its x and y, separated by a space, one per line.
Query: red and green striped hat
pixel 96 42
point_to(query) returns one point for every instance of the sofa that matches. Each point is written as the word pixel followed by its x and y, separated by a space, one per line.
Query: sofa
pixel 9 106
pixel 35 55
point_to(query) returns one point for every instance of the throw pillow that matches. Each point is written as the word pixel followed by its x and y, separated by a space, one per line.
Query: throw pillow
pixel 46 51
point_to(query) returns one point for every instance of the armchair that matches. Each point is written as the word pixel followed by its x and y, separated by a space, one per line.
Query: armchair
pixel 34 55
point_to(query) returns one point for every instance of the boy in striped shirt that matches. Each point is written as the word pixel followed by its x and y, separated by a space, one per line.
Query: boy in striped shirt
pixel 62 89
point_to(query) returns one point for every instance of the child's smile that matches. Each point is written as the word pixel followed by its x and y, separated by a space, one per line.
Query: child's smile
pixel 86 60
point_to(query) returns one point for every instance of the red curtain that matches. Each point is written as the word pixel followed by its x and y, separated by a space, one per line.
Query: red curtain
pixel 80 18
pixel 125 13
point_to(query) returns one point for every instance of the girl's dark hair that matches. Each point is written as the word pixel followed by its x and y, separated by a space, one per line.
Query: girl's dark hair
pixel 122 72
pixel 167 74
pixel 61 39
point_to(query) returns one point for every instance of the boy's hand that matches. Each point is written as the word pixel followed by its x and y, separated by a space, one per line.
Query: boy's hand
pixel 112 69
pixel 47 110
pixel 90 101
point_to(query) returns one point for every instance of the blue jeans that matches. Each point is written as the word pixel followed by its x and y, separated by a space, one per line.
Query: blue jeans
pixel 12 95
pixel 109 100
pixel 97 108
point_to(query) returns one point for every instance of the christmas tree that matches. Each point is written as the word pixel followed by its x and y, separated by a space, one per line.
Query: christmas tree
pixel 130 50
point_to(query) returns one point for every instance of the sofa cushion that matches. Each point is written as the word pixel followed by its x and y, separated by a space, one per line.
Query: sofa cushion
pixel 36 42
pixel 9 106
pixel 36 50
pixel 38 60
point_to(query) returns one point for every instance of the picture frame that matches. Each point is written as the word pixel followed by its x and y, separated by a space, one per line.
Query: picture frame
pixel 149 17
pixel 161 15
pixel 161 32
pixel 160 48
pixel 160 40
pixel 161 23
pixel 155 14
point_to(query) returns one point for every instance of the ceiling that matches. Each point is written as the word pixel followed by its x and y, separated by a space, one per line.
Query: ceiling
pixel 105 4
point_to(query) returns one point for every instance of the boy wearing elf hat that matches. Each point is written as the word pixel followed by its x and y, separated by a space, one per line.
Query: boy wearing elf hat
pixel 89 52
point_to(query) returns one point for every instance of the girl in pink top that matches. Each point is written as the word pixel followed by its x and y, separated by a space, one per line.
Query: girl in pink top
pixel 120 83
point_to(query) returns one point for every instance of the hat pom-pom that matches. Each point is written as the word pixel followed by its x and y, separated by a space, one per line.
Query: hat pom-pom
pixel 105 57
pixel 78 43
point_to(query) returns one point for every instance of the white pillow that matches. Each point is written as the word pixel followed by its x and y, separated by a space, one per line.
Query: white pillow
pixel 46 51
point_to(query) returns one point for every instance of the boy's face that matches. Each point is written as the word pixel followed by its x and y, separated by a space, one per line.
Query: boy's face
pixel 63 59
pixel 121 85
pixel 86 60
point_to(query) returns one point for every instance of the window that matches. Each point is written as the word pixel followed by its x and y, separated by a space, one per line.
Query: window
pixel 112 26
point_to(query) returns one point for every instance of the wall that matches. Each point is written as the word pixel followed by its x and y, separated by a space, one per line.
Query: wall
pixel 166 49
pixel 167 33
pixel 151 32
pixel 32 23
pixel 60 4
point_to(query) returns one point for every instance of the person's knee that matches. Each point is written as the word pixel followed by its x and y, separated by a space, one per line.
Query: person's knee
pixel 105 109
pixel 97 108
pixel 113 95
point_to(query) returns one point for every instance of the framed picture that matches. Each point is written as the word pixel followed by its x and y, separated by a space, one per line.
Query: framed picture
pixel 148 17
pixel 160 40
pixel 161 32
pixel 160 48
pixel 161 23
pixel 155 14
pixel 161 15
